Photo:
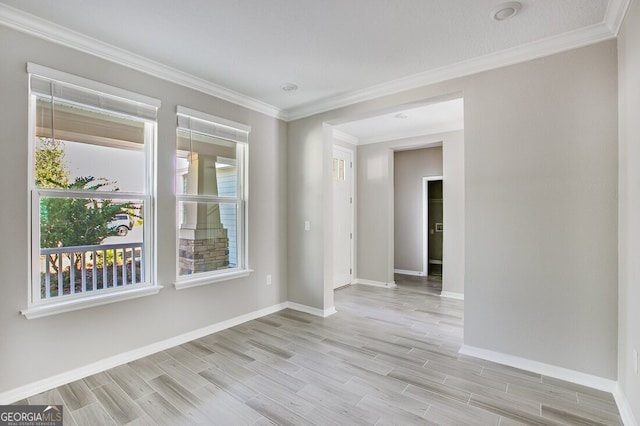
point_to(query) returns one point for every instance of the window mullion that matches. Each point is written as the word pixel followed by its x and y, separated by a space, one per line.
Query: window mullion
pixel 107 195
pixel 207 199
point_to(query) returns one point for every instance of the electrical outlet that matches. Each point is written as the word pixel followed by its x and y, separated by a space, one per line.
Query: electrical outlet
pixel 268 279
pixel 307 225
pixel 635 361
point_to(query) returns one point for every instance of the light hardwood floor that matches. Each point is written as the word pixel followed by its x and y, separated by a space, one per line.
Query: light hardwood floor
pixel 389 356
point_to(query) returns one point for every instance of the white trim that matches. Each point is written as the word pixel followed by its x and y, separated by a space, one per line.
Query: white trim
pixel 584 379
pixel 410 134
pixel 352 223
pixel 344 136
pixel 452 295
pixel 311 310
pixel 52 32
pixel 188 112
pixel 123 358
pixel 408 272
pixel 534 50
pixel 373 283
pixel 211 279
pixel 38 27
pixel 85 83
pixel 624 407
pixel 425 221
pixel 616 11
pixel 88 301
pixel 241 201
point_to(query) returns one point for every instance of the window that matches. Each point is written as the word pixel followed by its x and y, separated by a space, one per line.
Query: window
pixel 211 155
pixel 92 186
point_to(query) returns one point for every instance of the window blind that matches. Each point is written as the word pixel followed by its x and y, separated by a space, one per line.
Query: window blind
pixel 210 125
pixel 48 83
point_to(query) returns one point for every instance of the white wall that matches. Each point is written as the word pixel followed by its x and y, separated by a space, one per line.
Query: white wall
pixel 408 170
pixel 540 166
pixel 629 205
pixel 32 350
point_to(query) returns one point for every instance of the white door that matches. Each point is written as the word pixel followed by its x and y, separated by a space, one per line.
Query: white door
pixel 342 216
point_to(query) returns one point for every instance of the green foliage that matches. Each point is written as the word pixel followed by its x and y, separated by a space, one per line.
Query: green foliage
pixel 70 222
pixel 50 170
pixel 67 222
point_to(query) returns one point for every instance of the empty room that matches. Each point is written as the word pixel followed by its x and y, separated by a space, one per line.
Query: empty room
pixel 296 212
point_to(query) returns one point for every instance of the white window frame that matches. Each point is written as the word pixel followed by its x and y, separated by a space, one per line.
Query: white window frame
pixel 238 133
pixel 38 306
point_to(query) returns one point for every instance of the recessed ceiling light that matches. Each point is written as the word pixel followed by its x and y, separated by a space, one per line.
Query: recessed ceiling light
pixel 401 115
pixel 505 10
pixel 289 87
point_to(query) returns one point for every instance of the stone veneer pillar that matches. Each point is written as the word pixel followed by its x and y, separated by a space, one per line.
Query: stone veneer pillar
pixel 203 241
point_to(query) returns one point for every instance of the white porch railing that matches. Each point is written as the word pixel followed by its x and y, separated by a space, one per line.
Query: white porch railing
pixel 82 269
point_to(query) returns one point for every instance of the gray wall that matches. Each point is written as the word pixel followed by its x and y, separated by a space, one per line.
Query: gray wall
pixel 540 164
pixel 409 167
pixel 629 205
pixel 37 349
pixel 375 210
pixel 454 213
pixel 541 224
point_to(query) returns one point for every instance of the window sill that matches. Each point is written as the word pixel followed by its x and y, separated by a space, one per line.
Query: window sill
pixel 54 308
pixel 210 279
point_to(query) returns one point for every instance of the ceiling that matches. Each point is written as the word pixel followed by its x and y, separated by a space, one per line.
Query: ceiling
pixel 337 52
pixel 445 116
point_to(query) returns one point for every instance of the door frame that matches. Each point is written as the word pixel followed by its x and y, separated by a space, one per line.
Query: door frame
pixel 351 169
pixel 425 221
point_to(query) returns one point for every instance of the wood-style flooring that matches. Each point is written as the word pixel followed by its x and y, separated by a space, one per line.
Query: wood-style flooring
pixel 388 357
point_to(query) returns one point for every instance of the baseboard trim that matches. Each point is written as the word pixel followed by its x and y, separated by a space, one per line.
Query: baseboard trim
pixel 39 386
pixel 452 295
pixel 311 310
pixel 363 281
pixel 408 272
pixel 624 407
pixel 549 370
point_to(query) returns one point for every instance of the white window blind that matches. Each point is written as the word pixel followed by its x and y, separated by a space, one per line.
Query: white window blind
pixel 206 124
pixel 48 83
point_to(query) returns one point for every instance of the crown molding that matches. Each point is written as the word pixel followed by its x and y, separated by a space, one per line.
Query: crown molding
pixel 616 11
pixel 400 135
pixel 549 46
pixel 344 136
pixel 47 30
pixel 38 27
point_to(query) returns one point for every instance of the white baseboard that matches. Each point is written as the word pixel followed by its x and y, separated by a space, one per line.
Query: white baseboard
pixel 624 407
pixel 311 310
pixel 408 272
pixel 451 295
pixel 549 370
pixel 363 281
pixel 125 357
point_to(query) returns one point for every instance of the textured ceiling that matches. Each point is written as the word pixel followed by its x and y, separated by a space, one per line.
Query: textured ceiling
pixel 330 48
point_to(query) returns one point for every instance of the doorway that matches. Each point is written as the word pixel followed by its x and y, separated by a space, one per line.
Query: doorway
pixel 432 226
pixel 343 216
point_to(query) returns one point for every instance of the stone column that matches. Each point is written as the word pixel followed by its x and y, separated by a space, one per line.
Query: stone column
pixel 204 245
